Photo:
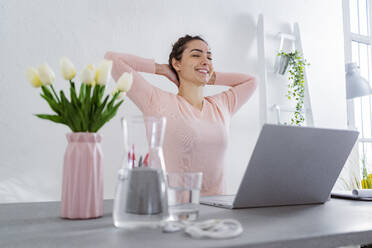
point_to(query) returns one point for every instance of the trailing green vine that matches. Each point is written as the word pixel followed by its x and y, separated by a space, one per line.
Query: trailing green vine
pixel 296 86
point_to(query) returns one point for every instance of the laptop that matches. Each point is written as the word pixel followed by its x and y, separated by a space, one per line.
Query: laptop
pixel 290 165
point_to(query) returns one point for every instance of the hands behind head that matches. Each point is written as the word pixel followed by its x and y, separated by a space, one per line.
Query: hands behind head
pixel 165 70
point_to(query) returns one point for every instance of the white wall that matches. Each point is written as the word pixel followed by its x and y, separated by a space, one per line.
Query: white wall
pixel 33 32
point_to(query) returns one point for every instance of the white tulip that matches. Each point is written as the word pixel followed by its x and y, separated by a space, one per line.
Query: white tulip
pixel 87 75
pixel 103 72
pixel 46 74
pixel 33 76
pixel 121 94
pixel 125 82
pixel 114 91
pixel 67 68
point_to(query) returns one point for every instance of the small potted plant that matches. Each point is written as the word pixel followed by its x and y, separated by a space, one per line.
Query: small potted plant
pixel 296 85
pixel 366 178
pixel 84 111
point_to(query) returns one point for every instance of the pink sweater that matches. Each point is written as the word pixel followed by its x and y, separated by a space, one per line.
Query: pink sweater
pixel 194 141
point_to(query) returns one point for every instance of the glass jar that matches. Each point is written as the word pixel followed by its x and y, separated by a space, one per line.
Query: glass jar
pixel 141 195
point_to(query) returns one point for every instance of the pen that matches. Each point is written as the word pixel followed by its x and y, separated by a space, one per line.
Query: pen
pixel 140 162
pixel 145 160
pixel 133 156
pixel 129 160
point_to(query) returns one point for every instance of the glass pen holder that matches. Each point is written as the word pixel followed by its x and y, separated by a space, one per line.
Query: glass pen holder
pixel 141 195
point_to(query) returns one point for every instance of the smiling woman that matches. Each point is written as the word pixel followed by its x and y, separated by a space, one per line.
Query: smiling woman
pixel 197 127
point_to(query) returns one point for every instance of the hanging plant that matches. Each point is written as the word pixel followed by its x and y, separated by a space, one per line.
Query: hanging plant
pixel 296 86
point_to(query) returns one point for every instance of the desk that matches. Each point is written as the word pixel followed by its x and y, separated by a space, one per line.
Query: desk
pixel 335 223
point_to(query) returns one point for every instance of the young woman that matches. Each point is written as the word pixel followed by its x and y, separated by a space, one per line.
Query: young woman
pixel 197 128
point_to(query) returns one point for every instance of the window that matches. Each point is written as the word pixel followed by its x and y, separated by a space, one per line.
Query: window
pixel 358 50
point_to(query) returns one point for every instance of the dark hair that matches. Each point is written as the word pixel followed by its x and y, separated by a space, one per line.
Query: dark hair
pixel 178 49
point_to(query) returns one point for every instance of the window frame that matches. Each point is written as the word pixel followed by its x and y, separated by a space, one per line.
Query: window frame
pixel 349 38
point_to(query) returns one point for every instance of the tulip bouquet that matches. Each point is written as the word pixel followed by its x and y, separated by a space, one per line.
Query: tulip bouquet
pixel 86 110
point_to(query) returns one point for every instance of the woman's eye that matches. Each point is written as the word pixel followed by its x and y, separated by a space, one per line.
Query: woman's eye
pixel 197 55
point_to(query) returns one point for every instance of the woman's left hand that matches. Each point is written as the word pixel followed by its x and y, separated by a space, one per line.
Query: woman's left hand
pixel 165 70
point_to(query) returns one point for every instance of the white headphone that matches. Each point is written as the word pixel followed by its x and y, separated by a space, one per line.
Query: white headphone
pixel 214 228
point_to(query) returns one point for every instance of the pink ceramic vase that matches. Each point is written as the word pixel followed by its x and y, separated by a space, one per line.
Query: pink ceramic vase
pixel 82 185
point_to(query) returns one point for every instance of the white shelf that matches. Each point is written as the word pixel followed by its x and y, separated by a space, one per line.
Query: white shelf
pixel 266 109
pixel 262 70
pixel 286 36
pixel 286 109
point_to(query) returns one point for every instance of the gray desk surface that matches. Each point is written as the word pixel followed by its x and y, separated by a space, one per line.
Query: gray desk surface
pixel 335 223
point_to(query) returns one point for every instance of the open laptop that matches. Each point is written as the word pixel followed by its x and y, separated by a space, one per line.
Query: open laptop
pixel 290 165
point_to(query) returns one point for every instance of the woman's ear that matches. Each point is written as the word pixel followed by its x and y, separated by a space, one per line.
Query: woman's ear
pixel 176 64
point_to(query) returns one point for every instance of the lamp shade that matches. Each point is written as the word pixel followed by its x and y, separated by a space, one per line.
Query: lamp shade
pixel 356 85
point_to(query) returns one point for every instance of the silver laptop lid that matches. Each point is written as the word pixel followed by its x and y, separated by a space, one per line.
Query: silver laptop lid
pixel 294 165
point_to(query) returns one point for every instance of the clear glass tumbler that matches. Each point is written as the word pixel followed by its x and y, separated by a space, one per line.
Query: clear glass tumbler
pixel 184 195
pixel 141 195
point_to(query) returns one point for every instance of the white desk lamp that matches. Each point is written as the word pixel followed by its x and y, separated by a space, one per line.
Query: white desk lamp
pixel 356 85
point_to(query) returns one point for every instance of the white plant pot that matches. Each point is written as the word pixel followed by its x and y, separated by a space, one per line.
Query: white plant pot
pixel 282 64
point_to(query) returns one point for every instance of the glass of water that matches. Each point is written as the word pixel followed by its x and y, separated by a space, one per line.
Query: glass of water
pixel 184 195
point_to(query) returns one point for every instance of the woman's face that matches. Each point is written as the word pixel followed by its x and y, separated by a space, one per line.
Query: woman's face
pixel 196 63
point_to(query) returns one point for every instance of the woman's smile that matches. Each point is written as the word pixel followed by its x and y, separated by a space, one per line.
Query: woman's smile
pixel 203 75
pixel 203 71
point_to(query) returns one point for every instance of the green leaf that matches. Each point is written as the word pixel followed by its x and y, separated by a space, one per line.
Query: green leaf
pixel 95 99
pixel 73 96
pixel 107 116
pixel 54 92
pixel 77 105
pixel 54 118
pixel 99 110
pixel 69 114
pixel 47 92
pixel 82 92
pixel 87 102
pixel 56 107
pixel 111 103
pixel 100 94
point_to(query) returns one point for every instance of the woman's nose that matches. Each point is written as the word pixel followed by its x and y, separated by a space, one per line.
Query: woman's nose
pixel 204 60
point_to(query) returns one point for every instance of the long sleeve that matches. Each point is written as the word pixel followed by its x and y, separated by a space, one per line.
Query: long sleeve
pixel 136 63
pixel 242 88
pixel 142 93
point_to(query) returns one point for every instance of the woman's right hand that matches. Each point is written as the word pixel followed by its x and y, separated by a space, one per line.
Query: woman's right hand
pixel 165 70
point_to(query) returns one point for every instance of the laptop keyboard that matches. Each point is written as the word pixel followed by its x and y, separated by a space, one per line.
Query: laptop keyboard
pixel 220 198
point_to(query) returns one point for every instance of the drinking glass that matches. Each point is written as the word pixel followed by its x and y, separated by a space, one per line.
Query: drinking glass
pixel 184 195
